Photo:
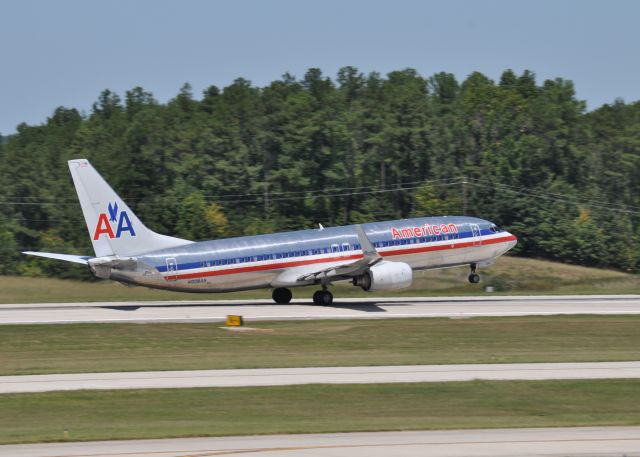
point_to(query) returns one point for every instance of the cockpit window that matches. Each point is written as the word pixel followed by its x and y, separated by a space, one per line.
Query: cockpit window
pixel 495 229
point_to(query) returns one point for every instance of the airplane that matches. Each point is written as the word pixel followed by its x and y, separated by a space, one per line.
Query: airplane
pixel 375 256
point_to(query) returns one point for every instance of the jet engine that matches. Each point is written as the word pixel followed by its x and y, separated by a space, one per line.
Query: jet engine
pixel 385 275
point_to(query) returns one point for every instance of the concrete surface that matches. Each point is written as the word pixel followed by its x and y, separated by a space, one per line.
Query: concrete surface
pixel 343 308
pixel 327 375
pixel 587 441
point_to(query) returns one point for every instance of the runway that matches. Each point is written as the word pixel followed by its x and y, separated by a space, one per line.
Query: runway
pixel 325 375
pixel 354 308
pixel 586 441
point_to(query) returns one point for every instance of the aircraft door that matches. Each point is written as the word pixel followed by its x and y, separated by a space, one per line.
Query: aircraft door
pixel 475 232
pixel 172 268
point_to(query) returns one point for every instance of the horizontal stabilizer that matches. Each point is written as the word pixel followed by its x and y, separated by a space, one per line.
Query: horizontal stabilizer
pixel 83 259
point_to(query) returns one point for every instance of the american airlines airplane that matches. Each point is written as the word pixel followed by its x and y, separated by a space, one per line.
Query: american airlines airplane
pixel 374 256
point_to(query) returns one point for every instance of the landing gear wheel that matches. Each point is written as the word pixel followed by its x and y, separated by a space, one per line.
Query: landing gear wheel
pixel 474 278
pixel 281 295
pixel 322 298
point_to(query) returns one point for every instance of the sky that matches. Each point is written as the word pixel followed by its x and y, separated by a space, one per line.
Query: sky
pixel 65 52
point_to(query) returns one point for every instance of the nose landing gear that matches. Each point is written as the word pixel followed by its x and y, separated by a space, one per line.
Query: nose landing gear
pixel 474 278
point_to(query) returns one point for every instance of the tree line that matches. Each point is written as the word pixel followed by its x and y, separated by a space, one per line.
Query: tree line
pixel 244 160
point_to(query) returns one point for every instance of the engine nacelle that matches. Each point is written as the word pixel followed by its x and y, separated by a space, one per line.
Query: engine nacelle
pixel 385 275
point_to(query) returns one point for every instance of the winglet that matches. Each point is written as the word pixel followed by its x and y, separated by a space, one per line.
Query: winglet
pixel 368 251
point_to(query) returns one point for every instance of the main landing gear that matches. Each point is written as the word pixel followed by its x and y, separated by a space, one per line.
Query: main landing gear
pixel 474 278
pixel 323 297
pixel 281 295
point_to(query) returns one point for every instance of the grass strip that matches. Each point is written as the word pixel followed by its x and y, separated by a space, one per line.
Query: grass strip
pixel 76 348
pixel 99 415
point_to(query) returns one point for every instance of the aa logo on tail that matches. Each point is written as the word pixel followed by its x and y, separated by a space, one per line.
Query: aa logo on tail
pixel 106 223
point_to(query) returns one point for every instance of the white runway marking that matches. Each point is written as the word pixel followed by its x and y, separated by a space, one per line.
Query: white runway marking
pixel 261 310
pixel 324 375
pixel 541 442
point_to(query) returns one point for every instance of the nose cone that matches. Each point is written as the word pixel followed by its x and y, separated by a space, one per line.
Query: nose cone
pixel 511 241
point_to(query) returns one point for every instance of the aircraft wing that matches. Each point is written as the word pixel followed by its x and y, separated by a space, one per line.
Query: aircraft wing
pixel 348 269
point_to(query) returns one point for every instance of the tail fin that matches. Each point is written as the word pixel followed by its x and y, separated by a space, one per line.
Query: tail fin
pixel 114 229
